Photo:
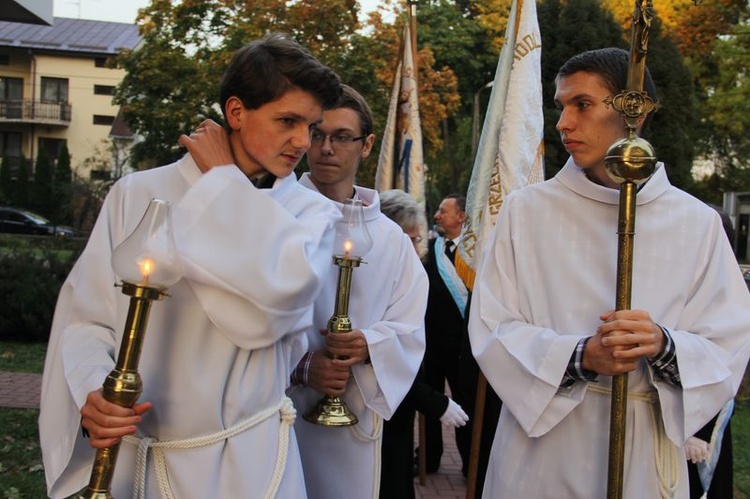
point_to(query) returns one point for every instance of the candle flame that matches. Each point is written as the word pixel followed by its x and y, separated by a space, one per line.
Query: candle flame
pixel 147 266
pixel 348 245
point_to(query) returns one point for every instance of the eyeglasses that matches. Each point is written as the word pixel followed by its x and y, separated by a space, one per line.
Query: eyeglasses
pixel 338 139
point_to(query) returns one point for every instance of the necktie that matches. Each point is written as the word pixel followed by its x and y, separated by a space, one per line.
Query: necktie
pixel 450 248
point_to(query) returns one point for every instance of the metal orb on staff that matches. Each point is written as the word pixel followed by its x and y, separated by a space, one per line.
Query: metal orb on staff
pixel 147 264
pixel 351 244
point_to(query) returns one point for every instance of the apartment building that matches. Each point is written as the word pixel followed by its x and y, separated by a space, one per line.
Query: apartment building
pixel 56 88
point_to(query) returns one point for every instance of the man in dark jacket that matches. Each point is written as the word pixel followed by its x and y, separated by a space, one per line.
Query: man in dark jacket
pixel 444 320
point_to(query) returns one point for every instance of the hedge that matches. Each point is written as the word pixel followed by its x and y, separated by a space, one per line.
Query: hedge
pixel 32 270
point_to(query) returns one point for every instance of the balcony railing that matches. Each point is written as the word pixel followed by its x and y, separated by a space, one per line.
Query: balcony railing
pixel 31 111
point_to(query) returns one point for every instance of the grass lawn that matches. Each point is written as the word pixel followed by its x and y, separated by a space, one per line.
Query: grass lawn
pixel 22 357
pixel 22 475
pixel 741 448
pixel 21 471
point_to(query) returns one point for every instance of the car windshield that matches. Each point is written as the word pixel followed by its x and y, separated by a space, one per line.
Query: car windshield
pixel 36 218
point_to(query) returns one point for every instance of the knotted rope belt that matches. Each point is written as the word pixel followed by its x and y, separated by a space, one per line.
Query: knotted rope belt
pixel 665 452
pixel 374 437
pixel 285 408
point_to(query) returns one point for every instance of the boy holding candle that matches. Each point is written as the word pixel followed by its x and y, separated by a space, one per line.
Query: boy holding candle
pixel 216 361
pixel 387 303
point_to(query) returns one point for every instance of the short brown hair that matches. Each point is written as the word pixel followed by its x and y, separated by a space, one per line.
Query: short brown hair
pixel 265 69
pixel 351 99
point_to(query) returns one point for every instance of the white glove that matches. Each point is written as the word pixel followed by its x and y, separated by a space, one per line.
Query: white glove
pixel 696 450
pixel 454 415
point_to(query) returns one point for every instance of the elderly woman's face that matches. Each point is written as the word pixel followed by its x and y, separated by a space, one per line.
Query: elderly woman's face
pixel 415 238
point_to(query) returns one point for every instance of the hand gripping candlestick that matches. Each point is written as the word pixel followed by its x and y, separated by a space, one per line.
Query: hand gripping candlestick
pixel 351 244
pixel 147 264
pixel 629 161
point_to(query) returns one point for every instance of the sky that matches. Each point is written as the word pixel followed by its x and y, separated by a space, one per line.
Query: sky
pixel 124 11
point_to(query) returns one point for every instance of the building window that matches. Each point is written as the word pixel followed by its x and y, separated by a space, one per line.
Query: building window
pixel 10 144
pixel 11 98
pixel 104 90
pixel 11 88
pixel 10 148
pixel 101 62
pixel 52 147
pixel 100 119
pixel 4 59
pixel 55 90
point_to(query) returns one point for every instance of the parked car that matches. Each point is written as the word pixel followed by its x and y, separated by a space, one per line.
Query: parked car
pixel 20 221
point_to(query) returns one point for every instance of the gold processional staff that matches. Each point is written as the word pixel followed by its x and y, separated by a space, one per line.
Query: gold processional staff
pixel 629 161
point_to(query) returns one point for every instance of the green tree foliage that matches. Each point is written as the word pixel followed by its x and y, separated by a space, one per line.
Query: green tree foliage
pixel 31 274
pixel 61 188
pixel 460 43
pixel 6 181
pixel 727 109
pixel 674 128
pixel 63 173
pixel 493 16
pixel 164 94
pixel 21 196
pixel 41 193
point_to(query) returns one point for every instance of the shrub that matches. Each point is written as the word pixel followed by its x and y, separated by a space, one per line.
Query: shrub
pixel 32 270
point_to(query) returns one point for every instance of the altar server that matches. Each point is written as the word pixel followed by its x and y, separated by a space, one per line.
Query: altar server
pixel 544 333
pixel 218 352
pixel 388 300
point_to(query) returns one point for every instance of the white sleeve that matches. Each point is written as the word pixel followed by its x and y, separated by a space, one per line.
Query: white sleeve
pixel 254 266
pixel 712 342
pixel 397 342
pixel 508 347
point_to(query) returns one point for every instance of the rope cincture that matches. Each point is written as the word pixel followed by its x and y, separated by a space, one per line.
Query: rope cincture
pixel 377 433
pixel 665 452
pixel 287 413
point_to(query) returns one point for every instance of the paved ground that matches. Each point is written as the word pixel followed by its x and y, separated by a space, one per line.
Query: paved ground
pixel 22 390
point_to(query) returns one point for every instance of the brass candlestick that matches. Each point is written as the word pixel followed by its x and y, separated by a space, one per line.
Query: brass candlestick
pixel 123 385
pixel 332 411
pixel 352 241
pixel 147 257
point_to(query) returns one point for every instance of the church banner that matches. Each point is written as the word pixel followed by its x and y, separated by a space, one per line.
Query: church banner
pixel 401 162
pixel 510 154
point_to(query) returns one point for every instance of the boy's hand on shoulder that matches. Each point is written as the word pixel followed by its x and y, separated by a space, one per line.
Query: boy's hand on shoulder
pixel 208 145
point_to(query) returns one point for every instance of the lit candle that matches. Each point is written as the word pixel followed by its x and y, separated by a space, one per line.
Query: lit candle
pixel 147 266
pixel 348 245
